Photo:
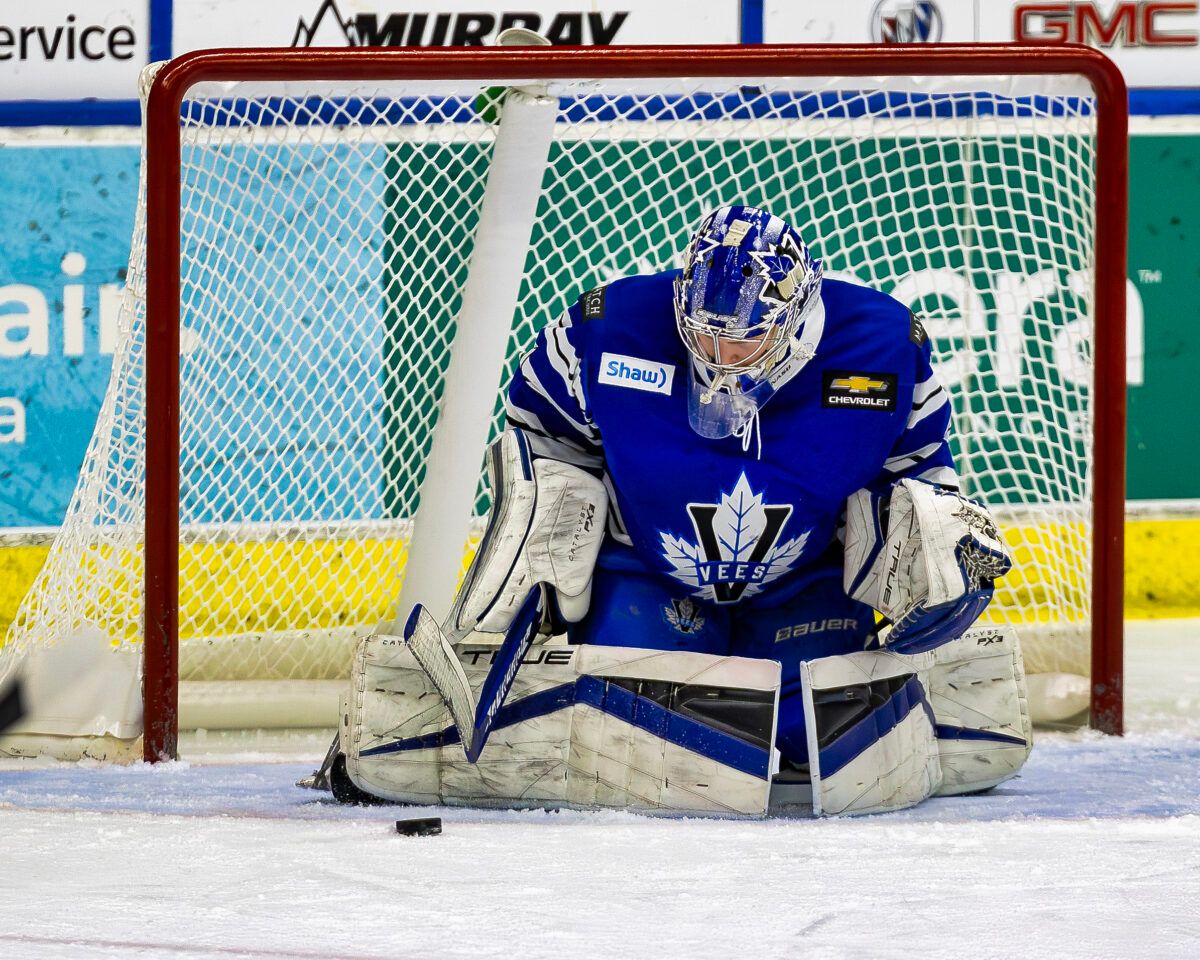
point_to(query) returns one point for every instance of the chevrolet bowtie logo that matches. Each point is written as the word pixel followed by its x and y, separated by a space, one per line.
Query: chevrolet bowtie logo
pixel 858 384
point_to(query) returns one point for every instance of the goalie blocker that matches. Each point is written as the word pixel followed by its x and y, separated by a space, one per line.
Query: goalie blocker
pixel 533 567
pixel 545 528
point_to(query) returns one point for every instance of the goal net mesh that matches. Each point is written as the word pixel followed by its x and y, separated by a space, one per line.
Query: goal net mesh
pixel 327 233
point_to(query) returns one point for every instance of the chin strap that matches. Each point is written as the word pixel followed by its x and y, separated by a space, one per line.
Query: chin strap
pixel 752 427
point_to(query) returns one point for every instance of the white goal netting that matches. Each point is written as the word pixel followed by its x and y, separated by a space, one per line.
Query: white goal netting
pixel 327 234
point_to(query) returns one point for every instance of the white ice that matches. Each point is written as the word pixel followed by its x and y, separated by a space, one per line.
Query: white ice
pixel 1093 852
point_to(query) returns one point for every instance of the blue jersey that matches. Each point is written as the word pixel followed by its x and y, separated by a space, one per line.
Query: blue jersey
pixel 742 518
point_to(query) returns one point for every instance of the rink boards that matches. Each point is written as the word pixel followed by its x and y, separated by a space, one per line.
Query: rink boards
pixel 1162 580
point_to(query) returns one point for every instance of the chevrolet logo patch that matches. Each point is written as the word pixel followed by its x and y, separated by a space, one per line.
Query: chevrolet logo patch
pixel 858 384
pixel 858 390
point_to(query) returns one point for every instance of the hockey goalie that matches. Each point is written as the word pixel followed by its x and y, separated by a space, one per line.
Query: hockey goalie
pixel 730 488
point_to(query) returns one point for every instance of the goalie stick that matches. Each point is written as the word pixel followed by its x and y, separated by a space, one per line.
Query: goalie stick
pixel 434 652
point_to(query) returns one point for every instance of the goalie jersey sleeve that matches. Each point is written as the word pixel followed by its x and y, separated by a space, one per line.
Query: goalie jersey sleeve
pixel 922 451
pixel 546 398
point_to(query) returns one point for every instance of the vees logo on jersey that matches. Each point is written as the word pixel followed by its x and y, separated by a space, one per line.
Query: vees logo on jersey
pixel 858 390
pixel 634 372
pixel 684 616
pixel 737 550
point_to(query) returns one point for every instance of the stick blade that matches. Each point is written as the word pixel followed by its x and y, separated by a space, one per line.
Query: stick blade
pixel 503 671
pixel 435 654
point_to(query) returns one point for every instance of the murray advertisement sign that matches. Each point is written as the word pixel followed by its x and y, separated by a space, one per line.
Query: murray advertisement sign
pixel 442 23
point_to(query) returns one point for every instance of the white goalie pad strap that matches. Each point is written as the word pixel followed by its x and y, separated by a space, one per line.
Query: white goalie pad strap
pixel 546 526
pixel 583 727
pixel 929 567
pixel 976 686
pixel 872 745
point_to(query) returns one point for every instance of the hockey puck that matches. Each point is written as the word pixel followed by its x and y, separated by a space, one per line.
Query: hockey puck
pixel 419 827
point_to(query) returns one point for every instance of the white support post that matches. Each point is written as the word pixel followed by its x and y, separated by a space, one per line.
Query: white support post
pixel 506 217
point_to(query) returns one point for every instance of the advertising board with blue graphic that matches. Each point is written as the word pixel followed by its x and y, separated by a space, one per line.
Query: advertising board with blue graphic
pixel 63 257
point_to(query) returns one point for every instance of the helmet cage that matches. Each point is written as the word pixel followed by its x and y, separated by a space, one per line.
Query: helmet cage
pixel 776 280
pixel 705 334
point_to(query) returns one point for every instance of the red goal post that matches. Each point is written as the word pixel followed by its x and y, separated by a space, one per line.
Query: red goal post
pixel 1104 416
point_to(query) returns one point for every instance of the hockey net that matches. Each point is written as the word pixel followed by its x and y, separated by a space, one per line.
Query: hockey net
pixel 327 231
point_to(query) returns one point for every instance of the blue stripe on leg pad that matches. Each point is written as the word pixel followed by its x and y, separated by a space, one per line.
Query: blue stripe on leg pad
pixel 618 702
pixel 875 726
pixel 673 727
pixel 946 732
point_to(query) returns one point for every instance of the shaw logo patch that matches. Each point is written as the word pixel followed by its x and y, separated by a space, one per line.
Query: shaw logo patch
pixel 858 390
pixel 636 373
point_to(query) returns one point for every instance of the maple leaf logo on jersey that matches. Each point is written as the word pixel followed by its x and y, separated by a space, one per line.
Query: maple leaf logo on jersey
pixel 737 550
pixel 684 616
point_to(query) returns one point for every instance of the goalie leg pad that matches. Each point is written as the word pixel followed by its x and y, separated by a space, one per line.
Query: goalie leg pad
pixel 887 730
pixel 584 727
pixel 545 526
pixel 977 689
pixel 391 700
pixel 872 742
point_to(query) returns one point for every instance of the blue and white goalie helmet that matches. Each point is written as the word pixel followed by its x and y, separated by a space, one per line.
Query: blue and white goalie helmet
pixel 749 285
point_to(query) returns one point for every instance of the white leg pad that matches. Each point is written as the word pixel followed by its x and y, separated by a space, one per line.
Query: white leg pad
pixel 887 730
pixel 976 686
pixel 583 727
pixel 390 698
pixel 872 743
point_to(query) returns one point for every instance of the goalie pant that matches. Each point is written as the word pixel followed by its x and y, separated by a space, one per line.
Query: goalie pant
pixel 631 608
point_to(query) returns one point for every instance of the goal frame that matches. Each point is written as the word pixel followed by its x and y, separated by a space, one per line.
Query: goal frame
pixel 163 285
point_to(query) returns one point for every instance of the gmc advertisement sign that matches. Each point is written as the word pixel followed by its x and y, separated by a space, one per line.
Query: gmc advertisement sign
pixel 1134 23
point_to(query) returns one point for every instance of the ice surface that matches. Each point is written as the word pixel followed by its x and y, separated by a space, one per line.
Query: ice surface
pixel 1093 852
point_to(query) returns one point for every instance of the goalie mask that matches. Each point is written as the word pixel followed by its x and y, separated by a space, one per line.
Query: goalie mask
pixel 748 307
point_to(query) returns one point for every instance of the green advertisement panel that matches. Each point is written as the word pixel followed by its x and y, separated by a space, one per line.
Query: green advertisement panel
pixel 1164 266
